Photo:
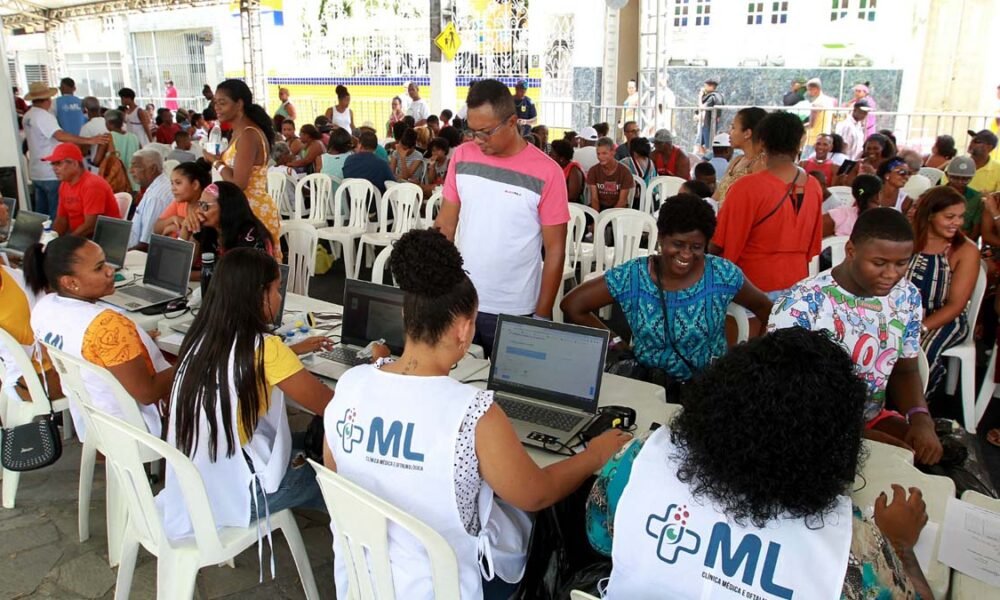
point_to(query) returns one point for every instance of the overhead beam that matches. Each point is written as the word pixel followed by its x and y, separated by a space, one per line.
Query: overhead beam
pixel 32 15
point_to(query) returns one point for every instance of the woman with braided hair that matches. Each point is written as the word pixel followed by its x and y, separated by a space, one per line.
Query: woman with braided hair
pixel 454 447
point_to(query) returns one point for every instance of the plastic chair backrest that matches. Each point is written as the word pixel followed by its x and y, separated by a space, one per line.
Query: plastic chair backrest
pixel 405 200
pixel 976 299
pixel 39 400
pixel 739 314
pixel 124 203
pixel 924 369
pixel 378 267
pixel 931 173
pixel 836 244
pixel 640 200
pixel 320 195
pixel 887 465
pixel 628 227
pixel 302 239
pixel 163 149
pixel 578 595
pixel 123 446
pixel 432 206
pixel 965 587
pixel 277 183
pixel 843 194
pixel 576 228
pixel 361 520
pixel 361 194
pixel 169 166
pixel 661 188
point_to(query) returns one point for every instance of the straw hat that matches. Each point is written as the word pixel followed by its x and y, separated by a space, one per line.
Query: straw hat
pixel 40 90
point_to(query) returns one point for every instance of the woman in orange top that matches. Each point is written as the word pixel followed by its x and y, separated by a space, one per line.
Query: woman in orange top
pixel 187 182
pixel 771 222
pixel 245 160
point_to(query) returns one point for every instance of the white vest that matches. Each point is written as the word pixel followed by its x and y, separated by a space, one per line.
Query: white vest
pixel 133 124
pixel 395 436
pixel 13 372
pixel 228 480
pixel 63 322
pixel 667 544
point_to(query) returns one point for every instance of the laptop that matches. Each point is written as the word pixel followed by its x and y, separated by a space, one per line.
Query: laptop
pixel 547 377
pixel 112 236
pixel 27 232
pixel 283 269
pixel 168 269
pixel 11 204
pixel 371 312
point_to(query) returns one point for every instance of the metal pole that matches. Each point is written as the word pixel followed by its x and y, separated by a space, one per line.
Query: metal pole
pixel 253 68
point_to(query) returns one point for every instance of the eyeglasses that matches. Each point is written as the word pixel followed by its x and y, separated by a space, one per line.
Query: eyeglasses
pixel 204 206
pixel 903 172
pixel 485 135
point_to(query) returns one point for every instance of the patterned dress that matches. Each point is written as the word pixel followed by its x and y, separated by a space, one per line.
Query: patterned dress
pixel 931 273
pixel 873 569
pixel 261 203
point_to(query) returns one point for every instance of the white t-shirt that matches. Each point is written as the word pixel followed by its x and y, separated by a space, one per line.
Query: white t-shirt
pixel 40 127
pixel 418 110
pixel 92 128
pixel 586 156
pixel 875 331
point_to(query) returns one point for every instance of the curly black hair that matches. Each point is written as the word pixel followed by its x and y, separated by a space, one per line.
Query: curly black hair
pixel 428 268
pixel 773 428
pixel 685 213
pixel 781 133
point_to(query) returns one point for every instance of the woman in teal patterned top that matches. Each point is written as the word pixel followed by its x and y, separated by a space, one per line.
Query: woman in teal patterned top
pixel 693 290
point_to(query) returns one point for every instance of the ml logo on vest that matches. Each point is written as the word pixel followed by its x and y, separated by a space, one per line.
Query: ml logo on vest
pixel 382 439
pixel 674 538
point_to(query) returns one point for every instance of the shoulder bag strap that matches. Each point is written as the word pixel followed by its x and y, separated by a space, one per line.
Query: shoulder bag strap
pixel 788 192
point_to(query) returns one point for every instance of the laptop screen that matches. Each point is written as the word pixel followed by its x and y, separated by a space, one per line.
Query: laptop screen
pixel 168 264
pixel 112 236
pixel 558 363
pixel 27 230
pixel 373 312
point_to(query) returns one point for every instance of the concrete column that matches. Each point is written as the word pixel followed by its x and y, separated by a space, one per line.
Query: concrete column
pixel 442 70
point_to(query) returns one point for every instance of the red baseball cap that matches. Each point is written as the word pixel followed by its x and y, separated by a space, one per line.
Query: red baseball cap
pixel 65 151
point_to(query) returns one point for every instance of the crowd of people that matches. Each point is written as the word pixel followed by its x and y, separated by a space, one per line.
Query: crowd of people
pixel 742 232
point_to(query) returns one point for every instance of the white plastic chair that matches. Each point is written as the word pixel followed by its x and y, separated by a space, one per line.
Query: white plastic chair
pixel 575 229
pixel 277 187
pixel 931 173
pixel 627 226
pixel 378 267
pixel 163 149
pixel 661 188
pixel 887 465
pixel 585 250
pixel 14 411
pixel 405 200
pixel 71 374
pixel 169 166
pixel 988 388
pixel 349 228
pixel 178 561
pixel 124 203
pixel 578 595
pixel 320 187
pixel 431 208
pixel 837 245
pixel 302 239
pixel 640 199
pixel 361 520
pixel 962 357
pixel 924 369
pixel 739 314
pixel 964 587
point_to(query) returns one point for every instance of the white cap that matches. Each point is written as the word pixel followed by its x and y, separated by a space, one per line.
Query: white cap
pixel 721 140
pixel 588 133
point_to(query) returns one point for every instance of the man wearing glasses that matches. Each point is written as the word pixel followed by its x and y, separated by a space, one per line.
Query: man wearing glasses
pixel 83 196
pixel 510 200
pixel 631 131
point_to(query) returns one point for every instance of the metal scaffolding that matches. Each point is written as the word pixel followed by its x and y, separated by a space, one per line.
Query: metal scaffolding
pixel 253 49
pixel 653 60
pixel 22 14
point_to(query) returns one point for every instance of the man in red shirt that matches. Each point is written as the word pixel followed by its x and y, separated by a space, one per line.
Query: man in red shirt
pixel 83 196
pixel 821 161
pixel 668 158
pixel 166 129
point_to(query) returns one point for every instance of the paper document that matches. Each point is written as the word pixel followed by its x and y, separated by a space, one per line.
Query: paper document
pixel 924 550
pixel 970 542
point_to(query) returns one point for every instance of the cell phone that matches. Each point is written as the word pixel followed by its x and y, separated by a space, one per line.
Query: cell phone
pixel 846 166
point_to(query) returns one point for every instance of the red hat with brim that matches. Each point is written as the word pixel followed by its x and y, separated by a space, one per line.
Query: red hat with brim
pixel 65 151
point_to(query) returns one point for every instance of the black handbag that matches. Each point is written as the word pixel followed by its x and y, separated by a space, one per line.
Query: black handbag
pixel 31 446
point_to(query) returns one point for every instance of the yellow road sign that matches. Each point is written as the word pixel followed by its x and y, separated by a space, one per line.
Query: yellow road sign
pixel 448 41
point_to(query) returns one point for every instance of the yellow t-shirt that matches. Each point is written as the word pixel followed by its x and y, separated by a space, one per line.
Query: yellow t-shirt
pixel 987 179
pixel 15 313
pixel 112 340
pixel 280 363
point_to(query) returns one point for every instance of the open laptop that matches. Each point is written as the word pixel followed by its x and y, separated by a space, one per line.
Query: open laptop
pixel 283 269
pixel 547 377
pixel 11 204
pixel 27 232
pixel 112 236
pixel 168 269
pixel 371 312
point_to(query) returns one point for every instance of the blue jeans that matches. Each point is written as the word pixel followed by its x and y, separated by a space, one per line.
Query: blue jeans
pixel 298 487
pixel 46 196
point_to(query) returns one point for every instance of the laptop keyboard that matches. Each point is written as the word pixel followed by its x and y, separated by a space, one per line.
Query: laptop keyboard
pixel 144 293
pixel 539 415
pixel 344 355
